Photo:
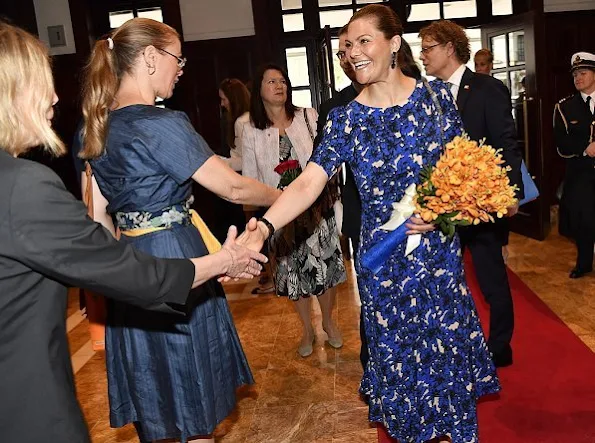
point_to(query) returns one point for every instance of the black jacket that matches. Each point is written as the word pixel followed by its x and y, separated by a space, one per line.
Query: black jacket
pixel 486 110
pixel 47 243
pixel 349 192
pixel 574 129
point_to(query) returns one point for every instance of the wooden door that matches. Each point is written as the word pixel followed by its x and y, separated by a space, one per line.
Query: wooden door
pixel 513 43
pixel 324 61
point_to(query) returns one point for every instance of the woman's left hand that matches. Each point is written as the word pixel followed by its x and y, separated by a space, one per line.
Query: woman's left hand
pixel 417 226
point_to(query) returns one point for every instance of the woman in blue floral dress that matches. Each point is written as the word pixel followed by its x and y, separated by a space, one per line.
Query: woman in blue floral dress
pixel 428 359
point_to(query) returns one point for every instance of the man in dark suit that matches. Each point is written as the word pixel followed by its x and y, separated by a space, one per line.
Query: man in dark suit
pixel 486 110
pixel 349 193
pixel 574 129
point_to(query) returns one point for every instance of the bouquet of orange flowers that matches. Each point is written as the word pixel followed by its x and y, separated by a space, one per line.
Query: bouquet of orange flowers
pixel 468 185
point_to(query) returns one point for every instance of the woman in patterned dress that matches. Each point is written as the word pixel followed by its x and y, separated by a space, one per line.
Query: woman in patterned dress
pixel 174 377
pixel 428 358
pixel 305 255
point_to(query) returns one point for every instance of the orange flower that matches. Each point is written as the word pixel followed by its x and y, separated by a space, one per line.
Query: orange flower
pixel 467 185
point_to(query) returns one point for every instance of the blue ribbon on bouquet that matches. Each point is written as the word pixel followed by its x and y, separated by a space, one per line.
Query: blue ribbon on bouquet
pixel 378 254
pixel 375 257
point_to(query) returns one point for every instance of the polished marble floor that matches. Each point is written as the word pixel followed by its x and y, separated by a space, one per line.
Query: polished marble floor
pixel 315 399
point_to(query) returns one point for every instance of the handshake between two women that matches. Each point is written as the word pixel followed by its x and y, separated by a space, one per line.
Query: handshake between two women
pixel 238 260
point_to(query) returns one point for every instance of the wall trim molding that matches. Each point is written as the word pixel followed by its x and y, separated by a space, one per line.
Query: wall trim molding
pixel 213 35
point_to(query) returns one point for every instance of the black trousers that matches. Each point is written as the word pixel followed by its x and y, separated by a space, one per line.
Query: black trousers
pixel 485 243
pixel 584 245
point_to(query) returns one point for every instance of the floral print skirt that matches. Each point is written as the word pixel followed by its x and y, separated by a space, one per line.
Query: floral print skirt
pixel 306 254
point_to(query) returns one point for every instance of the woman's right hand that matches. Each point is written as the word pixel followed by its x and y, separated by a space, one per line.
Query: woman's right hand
pixel 416 225
pixel 241 262
pixel 252 237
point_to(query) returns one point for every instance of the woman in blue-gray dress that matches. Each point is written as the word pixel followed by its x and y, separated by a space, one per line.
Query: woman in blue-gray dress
pixel 428 358
pixel 173 377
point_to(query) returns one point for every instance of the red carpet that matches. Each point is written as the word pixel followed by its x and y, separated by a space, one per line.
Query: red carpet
pixel 548 394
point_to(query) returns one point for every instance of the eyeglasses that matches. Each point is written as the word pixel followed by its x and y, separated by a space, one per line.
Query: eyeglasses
pixel 181 60
pixel 429 48
pixel 341 55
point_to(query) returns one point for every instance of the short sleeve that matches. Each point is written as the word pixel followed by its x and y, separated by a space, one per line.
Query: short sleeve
pixel 451 119
pixel 336 144
pixel 176 146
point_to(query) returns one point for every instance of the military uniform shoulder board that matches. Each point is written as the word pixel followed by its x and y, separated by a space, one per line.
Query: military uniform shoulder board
pixel 565 98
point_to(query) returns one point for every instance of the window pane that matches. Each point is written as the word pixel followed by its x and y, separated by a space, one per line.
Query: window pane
pixel 333 2
pixel 459 9
pixel 152 13
pixel 503 77
pixel 293 22
pixel 475 43
pixel 428 11
pixel 291 4
pixel 297 66
pixel 302 98
pixel 499 51
pixel 335 19
pixel 369 1
pixel 415 44
pixel 516 48
pixel 517 83
pixel 501 7
pixel 118 18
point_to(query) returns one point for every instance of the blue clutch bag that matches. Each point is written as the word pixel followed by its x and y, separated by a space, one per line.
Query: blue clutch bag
pixel 529 187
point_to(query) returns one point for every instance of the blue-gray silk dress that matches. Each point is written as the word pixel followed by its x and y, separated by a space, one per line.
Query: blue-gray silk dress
pixel 173 376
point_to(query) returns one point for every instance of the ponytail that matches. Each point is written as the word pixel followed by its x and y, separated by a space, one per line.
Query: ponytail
pixel 406 62
pixel 99 90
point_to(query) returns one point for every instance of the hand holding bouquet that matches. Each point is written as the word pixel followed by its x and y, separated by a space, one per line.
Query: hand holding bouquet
pixel 467 186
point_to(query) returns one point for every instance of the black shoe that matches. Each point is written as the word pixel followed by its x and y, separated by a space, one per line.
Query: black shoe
pixel 578 273
pixel 502 358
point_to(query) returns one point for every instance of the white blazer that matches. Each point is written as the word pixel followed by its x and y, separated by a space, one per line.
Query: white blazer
pixel 260 147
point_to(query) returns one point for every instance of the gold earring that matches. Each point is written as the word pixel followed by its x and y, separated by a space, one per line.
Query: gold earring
pixel 151 69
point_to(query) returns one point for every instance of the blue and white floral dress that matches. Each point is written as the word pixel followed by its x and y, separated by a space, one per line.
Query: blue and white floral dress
pixel 428 358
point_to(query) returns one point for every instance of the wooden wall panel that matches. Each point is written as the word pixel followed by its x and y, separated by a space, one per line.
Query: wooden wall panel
pixel 20 13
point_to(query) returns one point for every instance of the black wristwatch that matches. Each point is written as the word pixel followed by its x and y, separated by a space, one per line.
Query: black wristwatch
pixel 269 226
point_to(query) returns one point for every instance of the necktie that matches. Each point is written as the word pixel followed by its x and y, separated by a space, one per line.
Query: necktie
pixel 588 102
